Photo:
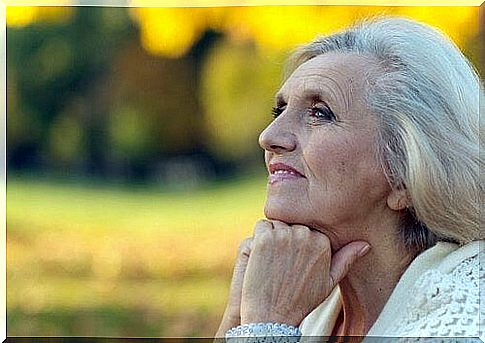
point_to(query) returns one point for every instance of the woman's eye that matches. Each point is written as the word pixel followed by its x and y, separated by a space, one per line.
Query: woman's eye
pixel 276 111
pixel 321 113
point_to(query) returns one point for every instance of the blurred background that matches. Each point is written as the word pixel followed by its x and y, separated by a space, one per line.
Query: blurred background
pixel 133 163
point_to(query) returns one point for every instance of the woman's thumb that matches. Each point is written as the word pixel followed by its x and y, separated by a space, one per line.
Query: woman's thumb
pixel 344 258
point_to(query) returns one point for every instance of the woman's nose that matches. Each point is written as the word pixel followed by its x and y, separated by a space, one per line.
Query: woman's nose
pixel 277 139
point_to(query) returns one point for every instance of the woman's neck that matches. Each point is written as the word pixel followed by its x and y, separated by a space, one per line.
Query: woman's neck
pixel 371 280
pixel 369 284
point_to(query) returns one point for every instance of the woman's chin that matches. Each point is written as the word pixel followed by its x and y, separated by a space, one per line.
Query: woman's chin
pixel 282 212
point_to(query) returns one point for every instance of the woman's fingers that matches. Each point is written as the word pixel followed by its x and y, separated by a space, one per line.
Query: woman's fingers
pixel 262 226
pixel 344 258
pixel 278 225
pixel 245 248
pixel 244 252
pixel 290 271
pixel 232 314
pixel 283 272
pixel 284 279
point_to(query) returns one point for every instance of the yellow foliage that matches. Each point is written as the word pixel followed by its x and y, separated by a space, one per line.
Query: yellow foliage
pixel 460 23
pixel 279 28
pixel 20 16
pixel 172 31
pixel 25 15
pixel 169 32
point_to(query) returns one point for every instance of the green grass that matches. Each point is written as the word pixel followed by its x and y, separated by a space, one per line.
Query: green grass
pixel 104 261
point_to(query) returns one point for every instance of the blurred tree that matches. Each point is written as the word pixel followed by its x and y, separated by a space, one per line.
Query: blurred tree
pixel 141 92
pixel 57 69
pixel 237 91
pixel 155 112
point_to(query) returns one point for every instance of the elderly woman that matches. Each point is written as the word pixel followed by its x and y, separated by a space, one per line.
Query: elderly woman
pixel 373 195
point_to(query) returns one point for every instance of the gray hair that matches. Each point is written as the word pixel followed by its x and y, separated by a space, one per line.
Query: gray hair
pixel 426 100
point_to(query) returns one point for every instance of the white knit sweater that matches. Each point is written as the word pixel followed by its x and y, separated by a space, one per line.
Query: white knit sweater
pixel 437 296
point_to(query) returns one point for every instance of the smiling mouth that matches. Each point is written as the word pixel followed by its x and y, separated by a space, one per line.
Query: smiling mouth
pixel 280 172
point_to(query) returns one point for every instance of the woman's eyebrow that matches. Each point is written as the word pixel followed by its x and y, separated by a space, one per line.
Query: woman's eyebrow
pixel 332 97
pixel 317 93
pixel 308 93
pixel 313 92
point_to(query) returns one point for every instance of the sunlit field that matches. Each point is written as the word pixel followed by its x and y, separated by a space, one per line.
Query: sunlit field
pixel 88 261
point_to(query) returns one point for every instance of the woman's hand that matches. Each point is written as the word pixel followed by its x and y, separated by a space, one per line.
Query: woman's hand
pixel 232 314
pixel 290 271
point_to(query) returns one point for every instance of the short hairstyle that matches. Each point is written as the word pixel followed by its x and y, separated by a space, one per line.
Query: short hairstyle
pixel 426 99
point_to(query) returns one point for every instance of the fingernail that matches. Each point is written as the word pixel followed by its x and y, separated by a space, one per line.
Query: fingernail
pixel 364 250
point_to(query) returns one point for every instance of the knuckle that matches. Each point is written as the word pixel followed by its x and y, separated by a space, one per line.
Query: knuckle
pixel 279 224
pixel 245 247
pixel 265 235
pixel 302 228
pixel 301 232
pixel 262 222
pixel 261 243
pixel 283 237
pixel 262 236
pixel 280 234
pixel 262 226
pixel 322 242
pixel 245 243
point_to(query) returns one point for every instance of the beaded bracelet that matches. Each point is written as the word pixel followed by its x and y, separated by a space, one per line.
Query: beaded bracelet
pixel 263 333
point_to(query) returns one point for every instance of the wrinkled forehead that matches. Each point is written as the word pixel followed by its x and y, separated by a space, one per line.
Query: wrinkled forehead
pixel 342 76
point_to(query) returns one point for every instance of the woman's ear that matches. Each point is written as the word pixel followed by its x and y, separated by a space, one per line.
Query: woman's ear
pixel 399 199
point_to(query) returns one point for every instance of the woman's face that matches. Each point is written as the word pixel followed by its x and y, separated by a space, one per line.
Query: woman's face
pixel 320 149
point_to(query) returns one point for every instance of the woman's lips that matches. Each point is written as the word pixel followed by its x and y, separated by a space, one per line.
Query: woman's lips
pixel 282 172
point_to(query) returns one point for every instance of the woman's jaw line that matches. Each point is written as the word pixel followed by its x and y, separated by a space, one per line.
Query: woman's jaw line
pixel 335 242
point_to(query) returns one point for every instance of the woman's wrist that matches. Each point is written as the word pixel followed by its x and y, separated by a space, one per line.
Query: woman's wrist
pixel 229 320
pixel 292 319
